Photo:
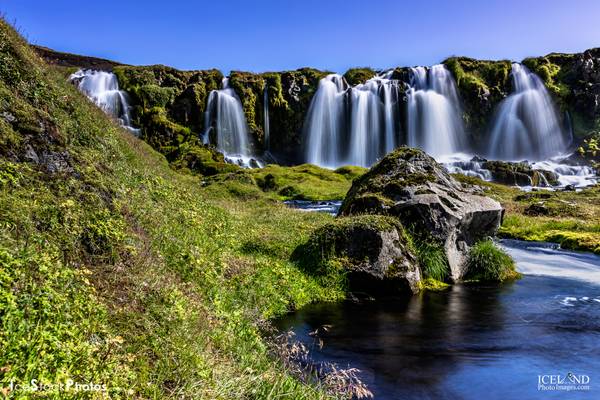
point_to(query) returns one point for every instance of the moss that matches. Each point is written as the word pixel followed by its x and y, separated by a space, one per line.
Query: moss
pixel 355 76
pixel 482 85
pixel 155 96
pixel 574 234
pixel 200 159
pixel 432 285
pixel 552 74
pixel 162 133
pixel 304 182
pixel 486 262
pixel 324 253
pixel 351 172
pixel 249 88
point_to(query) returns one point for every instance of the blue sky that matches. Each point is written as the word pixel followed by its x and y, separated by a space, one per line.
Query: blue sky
pixel 278 35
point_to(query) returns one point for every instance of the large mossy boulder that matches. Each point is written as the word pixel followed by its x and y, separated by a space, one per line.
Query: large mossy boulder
pixel 412 187
pixel 373 252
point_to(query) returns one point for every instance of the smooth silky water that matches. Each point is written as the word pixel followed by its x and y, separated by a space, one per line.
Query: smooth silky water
pixel 471 341
pixel 103 89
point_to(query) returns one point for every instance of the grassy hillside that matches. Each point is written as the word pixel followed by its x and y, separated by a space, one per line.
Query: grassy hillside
pixel 117 270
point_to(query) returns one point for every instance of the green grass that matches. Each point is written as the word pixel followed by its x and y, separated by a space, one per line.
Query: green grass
pixel 118 270
pixel 569 233
pixel 487 262
pixel 572 218
pixel 432 259
pixel 306 182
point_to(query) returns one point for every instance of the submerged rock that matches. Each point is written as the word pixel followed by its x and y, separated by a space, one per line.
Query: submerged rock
pixel 412 187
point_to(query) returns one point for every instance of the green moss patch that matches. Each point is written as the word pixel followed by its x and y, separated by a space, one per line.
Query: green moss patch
pixel 355 76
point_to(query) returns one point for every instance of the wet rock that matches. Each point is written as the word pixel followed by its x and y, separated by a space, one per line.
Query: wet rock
pixel 413 188
pixel 520 174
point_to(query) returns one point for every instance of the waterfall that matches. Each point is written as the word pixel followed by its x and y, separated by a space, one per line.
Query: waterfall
pixel 527 125
pixel 324 122
pixel 434 122
pixel 224 114
pixel 266 118
pixel 103 89
pixel 351 125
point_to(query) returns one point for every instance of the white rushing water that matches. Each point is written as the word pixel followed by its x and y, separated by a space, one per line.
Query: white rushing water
pixel 103 89
pixel 434 121
pixel 527 126
pixel 360 124
pixel 225 115
pixel 324 123
pixel 352 125
pixel 575 175
pixel 546 259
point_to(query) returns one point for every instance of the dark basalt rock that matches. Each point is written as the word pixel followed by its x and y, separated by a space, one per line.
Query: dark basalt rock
pixel 521 174
pixel 373 251
pixel 412 187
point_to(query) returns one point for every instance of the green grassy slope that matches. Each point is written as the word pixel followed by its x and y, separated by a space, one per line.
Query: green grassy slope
pixel 117 270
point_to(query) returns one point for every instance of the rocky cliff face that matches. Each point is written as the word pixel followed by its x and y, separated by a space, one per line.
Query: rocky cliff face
pixel 169 104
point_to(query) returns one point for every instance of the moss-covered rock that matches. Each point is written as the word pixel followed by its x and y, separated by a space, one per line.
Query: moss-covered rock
pixel 372 252
pixel 355 76
pixel 412 187
pixel 201 159
pixel 482 85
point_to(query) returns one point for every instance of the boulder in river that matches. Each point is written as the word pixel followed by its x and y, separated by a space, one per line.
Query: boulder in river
pixel 422 196
pixel 373 252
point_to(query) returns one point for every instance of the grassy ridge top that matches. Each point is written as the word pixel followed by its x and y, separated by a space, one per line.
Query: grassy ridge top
pixel 117 270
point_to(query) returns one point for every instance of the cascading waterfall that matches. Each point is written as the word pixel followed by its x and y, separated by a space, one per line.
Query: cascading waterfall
pixel 224 114
pixel 527 125
pixel 352 125
pixel 103 89
pixel 434 122
pixel 324 122
pixel 267 129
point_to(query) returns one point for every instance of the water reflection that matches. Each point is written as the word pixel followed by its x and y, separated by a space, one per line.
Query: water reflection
pixel 468 342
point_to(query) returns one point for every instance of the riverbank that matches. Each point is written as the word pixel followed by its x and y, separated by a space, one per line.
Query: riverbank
pixel 569 218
